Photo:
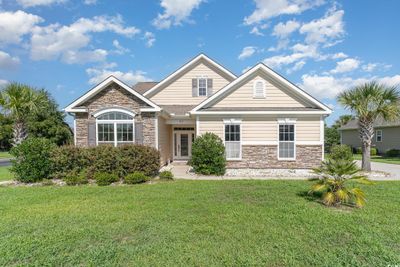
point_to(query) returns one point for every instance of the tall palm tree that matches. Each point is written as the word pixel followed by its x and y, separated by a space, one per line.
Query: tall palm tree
pixel 19 101
pixel 368 102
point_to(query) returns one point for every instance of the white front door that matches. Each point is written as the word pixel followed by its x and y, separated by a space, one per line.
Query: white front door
pixel 183 144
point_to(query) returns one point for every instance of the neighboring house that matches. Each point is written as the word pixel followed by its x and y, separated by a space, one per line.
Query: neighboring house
pixel 264 120
pixel 387 135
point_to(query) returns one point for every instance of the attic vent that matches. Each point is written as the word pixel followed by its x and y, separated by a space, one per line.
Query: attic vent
pixel 259 89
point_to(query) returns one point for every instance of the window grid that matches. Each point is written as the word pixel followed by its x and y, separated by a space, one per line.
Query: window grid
pixel 202 82
pixel 115 128
pixel 115 116
pixel 379 136
pixel 232 141
pixel 286 141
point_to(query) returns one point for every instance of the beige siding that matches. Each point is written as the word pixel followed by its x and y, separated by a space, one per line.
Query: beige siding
pixel 390 139
pixel 179 92
pixel 264 129
pixel 274 96
pixel 164 141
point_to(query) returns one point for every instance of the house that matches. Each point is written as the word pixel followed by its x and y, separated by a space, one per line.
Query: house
pixel 264 120
pixel 387 135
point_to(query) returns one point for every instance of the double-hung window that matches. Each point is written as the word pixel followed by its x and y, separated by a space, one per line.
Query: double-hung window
pixel 202 85
pixel 233 146
pixel 115 128
pixel 287 146
pixel 379 136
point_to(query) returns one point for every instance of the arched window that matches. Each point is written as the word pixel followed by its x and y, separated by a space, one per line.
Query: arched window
pixel 259 89
pixel 115 127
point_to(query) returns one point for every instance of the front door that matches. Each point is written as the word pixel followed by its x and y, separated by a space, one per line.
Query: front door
pixel 183 144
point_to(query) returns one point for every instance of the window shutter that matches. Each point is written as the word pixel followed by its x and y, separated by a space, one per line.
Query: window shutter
pixel 92 134
pixel 194 88
pixel 209 87
pixel 139 133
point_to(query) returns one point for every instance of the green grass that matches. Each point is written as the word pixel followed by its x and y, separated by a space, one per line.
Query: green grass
pixel 4 155
pixel 5 174
pixel 202 223
pixel 393 160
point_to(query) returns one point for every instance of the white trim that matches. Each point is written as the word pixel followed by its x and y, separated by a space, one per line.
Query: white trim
pixel 381 135
pixel 186 66
pixel 107 110
pixel 287 120
pixel 77 110
pixel 271 73
pixel 149 110
pixel 74 131
pixel 101 86
pixel 197 126
pixel 255 96
pixel 259 112
pixel 294 143
pixel 156 131
pixel 234 122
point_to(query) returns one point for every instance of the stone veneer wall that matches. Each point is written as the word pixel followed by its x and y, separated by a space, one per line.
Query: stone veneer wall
pixel 266 157
pixel 115 96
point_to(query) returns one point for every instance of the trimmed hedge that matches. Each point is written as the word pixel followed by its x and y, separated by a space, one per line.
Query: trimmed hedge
pixel 166 175
pixel 104 178
pixel 339 152
pixel 76 178
pixel 136 178
pixel 393 153
pixel 32 160
pixel 373 151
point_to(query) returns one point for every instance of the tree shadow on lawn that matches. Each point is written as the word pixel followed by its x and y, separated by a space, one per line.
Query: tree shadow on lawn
pixel 316 197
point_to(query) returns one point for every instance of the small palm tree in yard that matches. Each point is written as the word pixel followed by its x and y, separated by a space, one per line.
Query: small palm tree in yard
pixel 19 101
pixel 336 180
pixel 368 102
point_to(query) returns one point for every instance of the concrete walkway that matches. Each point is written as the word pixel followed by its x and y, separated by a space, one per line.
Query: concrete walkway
pixel 392 171
pixel 5 162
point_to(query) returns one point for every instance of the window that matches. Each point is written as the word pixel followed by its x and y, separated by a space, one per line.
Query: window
pixel 379 136
pixel 116 128
pixel 259 89
pixel 286 141
pixel 202 85
pixel 233 147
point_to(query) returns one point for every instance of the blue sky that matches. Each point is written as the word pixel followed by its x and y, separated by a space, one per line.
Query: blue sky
pixel 67 46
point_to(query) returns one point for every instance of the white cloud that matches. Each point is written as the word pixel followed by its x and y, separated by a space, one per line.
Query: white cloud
pixel 347 65
pixel 247 51
pixel 14 25
pixel 81 57
pixel 8 62
pixel 339 55
pixel 57 41
pixel 256 29
pixel 175 12
pixel 131 77
pixel 90 2
pixel 369 67
pixel 3 82
pixel 119 49
pixel 301 52
pixel 326 29
pixel 150 38
pixel 283 30
pixel 31 3
pixel 266 9
pixel 298 66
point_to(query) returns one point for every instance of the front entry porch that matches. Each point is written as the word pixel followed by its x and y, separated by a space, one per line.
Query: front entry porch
pixel 183 138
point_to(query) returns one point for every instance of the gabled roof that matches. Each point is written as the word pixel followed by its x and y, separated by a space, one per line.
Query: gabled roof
pixel 185 68
pixel 379 122
pixel 201 108
pixel 92 92
pixel 143 87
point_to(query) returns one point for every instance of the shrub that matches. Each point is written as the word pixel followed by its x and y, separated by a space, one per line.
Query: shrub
pixel 341 152
pixel 208 155
pixel 76 178
pixel 103 159
pixel 166 175
pixel 104 178
pixel 67 160
pixel 393 153
pixel 139 158
pixel 358 150
pixel 373 151
pixel 31 161
pixel 334 186
pixel 136 178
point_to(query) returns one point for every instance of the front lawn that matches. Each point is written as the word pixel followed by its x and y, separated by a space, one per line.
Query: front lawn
pixel 4 155
pixel 392 160
pixel 5 174
pixel 202 223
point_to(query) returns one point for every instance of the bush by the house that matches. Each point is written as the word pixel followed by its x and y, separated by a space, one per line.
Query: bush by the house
pixel 393 153
pixel 166 175
pixel 103 159
pixel 67 160
pixel 136 177
pixel 341 152
pixel 373 151
pixel 139 158
pixel 76 178
pixel 208 155
pixel 32 160
pixel 104 178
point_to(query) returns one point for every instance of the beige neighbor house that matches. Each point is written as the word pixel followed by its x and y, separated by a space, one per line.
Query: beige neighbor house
pixel 387 135
pixel 264 120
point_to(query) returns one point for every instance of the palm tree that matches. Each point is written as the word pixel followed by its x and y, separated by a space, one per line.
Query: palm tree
pixel 368 102
pixel 19 101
